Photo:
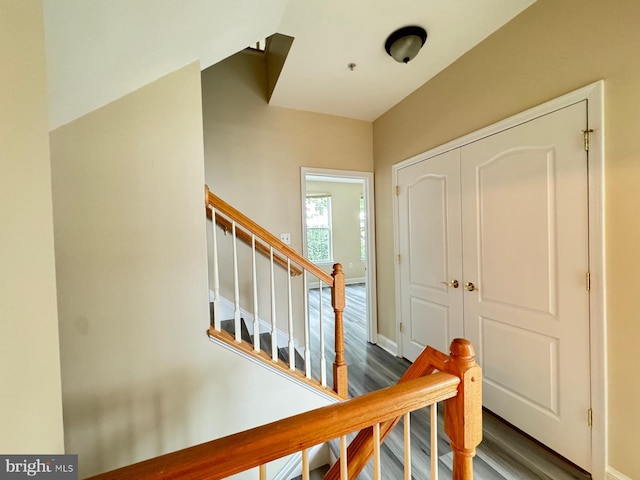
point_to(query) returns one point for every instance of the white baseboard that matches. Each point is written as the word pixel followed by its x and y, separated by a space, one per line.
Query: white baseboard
pixel 290 468
pixel 227 309
pixel 388 345
pixel 615 475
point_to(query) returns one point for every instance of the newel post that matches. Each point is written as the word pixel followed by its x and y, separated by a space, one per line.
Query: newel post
pixel 340 380
pixel 463 413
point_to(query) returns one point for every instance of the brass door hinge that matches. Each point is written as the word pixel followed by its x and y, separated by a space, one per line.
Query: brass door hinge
pixel 398 259
pixel 588 281
pixel 401 327
pixel 590 417
pixel 397 189
pixel 586 133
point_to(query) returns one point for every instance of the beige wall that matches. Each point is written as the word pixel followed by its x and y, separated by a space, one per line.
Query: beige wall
pixel 253 151
pixel 30 398
pixel 140 377
pixel 253 156
pixel 552 48
pixel 345 220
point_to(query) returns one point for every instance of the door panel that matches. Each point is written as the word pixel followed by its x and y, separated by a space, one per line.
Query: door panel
pixel 513 186
pixel 525 247
pixel 430 244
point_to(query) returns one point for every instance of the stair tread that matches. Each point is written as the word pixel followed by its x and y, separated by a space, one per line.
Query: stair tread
pixel 229 326
pixel 283 354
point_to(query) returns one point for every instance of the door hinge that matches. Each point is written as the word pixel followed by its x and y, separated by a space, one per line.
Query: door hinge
pixel 398 259
pixel 397 189
pixel 590 417
pixel 588 278
pixel 401 327
pixel 586 133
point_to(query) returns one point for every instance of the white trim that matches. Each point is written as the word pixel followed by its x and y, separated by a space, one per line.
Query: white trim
pixel 615 475
pixel 388 345
pixel 370 275
pixel 289 470
pixel 226 311
pixel 318 455
pixel 594 95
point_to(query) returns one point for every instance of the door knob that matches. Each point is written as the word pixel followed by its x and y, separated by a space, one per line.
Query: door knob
pixel 452 283
pixel 469 287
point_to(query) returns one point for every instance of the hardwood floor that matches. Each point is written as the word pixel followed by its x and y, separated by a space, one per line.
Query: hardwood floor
pixel 504 454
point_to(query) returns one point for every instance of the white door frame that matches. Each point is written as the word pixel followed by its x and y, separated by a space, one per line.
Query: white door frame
pixel 370 274
pixel 594 94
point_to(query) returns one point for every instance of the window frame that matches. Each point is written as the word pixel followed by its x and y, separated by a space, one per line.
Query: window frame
pixel 328 227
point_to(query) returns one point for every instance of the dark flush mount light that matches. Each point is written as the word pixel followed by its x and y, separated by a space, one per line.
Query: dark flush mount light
pixel 405 43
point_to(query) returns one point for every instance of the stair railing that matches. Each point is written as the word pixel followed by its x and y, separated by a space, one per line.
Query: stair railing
pixel 458 383
pixel 242 228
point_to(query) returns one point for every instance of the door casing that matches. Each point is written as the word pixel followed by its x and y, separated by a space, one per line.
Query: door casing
pixel 367 180
pixel 594 94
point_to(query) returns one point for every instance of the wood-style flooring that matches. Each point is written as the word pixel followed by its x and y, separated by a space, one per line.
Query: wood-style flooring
pixel 504 454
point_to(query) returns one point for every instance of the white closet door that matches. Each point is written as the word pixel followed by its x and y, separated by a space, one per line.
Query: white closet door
pixel 525 249
pixel 430 246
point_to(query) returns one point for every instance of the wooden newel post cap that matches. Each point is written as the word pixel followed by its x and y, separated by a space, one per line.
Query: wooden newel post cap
pixel 462 349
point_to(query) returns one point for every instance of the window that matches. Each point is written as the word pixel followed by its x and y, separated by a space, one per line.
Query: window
pixel 319 228
pixel 363 234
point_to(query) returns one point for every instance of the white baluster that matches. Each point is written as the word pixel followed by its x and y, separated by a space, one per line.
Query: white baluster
pixel 434 441
pixel 344 474
pixel 305 464
pixel 216 277
pixel 236 284
pixel 292 350
pixel 407 446
pixel 256 321
pixel 376 452
pixel 323 360
pixel 307 349
pixel 274 331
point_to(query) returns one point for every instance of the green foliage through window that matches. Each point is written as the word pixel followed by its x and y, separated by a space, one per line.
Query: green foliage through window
pixel 363 234
pixel 318 218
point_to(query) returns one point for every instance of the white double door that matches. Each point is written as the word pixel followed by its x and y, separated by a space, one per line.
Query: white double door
pixel 506 220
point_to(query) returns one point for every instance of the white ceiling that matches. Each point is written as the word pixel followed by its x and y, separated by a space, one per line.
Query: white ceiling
pixel 100 50
pixel 331 34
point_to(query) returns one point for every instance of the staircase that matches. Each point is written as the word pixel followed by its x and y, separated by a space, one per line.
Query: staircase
pixel 229 327
pixel 434 377
pixel 263 284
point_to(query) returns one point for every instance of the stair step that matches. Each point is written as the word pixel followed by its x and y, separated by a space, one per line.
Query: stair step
pixel 229 326
pixel 265 342
pixel 283 354
pixel 316 474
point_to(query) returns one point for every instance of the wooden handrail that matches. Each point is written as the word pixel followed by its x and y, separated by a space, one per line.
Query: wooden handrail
pixel 227 456
pixel 361 447
pixel 246 229
pixel 241 219
pixel 243 235
pixel 462 414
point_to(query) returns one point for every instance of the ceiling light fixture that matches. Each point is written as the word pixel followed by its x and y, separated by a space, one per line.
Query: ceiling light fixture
pixel 405 43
